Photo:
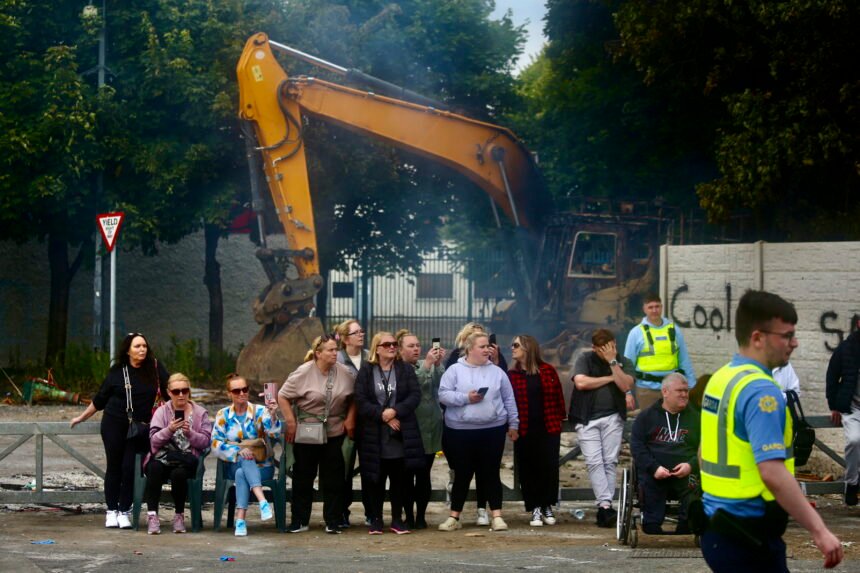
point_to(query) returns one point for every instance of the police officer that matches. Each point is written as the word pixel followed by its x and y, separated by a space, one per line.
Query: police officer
pixel 747 464
pixel 657 348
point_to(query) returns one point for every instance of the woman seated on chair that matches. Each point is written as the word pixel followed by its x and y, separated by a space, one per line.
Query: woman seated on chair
pixel 179 432
pixel 321 390
pixel 241 437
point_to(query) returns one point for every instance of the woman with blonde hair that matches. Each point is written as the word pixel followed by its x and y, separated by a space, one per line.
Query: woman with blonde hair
pixel 480 411
pixel 540 405
pixel 387 394
pixel 429 373
pixel 179 432
pixel 235 426
pixel 351 352
pixel 321 391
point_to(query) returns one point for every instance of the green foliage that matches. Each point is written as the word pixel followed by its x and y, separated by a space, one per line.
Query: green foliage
pixel 185 356
pixel 782 85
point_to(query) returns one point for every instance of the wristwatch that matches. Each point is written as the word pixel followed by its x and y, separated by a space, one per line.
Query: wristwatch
pixel 613 363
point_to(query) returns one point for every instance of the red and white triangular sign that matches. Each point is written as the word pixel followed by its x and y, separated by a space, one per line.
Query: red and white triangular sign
pixel 109 224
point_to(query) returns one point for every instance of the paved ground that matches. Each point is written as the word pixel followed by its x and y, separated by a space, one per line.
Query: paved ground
pixel 82 544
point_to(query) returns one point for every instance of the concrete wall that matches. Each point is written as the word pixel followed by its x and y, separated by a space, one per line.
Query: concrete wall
pixel 160 296
pixel 701 284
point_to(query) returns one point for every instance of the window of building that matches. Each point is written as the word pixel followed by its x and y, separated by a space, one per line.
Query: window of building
pixel 342 290
pixel 593 255
pixel 435 285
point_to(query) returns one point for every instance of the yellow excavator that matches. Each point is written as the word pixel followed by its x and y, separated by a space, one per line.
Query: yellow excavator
pixel 272 105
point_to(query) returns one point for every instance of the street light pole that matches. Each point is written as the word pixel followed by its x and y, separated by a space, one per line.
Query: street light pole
pixel 98 281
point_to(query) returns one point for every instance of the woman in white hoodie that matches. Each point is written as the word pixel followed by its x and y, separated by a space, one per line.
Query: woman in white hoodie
pixel 480 410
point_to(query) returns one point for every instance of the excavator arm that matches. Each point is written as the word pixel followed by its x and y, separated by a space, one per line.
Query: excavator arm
pixel 490 156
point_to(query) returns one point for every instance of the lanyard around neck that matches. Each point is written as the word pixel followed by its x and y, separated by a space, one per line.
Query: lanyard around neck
pixel 673 436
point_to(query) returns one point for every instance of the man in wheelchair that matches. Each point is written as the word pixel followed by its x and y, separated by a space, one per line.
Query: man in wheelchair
pixel 664 443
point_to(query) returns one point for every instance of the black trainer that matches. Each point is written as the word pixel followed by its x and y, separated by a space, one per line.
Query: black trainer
pixel 851 493
pixel 652 529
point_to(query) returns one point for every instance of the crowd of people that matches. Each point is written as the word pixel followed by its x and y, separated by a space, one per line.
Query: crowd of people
pixel 721 445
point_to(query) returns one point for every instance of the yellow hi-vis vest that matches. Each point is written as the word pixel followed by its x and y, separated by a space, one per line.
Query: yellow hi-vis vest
pixel 728 465
pixel 659 350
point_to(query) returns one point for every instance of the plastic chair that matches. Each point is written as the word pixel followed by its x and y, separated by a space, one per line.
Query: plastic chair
pixel 277 484
pixel 195 492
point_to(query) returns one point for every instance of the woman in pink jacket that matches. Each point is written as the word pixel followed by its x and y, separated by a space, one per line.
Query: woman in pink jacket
pixel 180 430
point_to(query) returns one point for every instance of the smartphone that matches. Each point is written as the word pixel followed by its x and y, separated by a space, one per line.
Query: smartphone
pixel 270 389
pixel 179 415
pixel 436 344
pixel 483 391
pixel 492 339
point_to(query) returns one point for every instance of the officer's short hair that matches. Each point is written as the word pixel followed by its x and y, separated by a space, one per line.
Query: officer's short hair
pixel 756 309
pixel 652 297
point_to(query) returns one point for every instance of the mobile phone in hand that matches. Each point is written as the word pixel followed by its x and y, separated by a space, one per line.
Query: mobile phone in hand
pixel 492 339
pixel 483 391
pixel 436 344
pixel 179 415
pixel 269 391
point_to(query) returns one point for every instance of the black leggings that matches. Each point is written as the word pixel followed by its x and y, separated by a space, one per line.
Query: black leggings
pixel 119 474
pixel 157 475
pixel 475 453
pixel 417 489
pixel 393 470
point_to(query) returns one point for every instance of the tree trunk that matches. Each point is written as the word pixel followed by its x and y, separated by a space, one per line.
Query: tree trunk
pixel 322 298
pixel 62 274
pixel 212 280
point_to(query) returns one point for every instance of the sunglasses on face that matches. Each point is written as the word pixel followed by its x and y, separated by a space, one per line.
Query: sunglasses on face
pixel 388 345
pixel 238 391
pixel 180 391
pixel 515 345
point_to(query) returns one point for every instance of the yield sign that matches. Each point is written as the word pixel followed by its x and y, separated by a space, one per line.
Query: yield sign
pixel 109 224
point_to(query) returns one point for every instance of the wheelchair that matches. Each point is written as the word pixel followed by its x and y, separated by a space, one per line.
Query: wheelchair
pixel 629 519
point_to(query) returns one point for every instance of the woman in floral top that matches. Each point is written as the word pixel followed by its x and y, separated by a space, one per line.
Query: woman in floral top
pixel 235 427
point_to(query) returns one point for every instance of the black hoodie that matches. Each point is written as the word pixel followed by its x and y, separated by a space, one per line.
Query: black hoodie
pixel 650 441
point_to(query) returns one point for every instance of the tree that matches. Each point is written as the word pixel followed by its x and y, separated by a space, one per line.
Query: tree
pixel 51 124
pixel 598 129
pixel 783 80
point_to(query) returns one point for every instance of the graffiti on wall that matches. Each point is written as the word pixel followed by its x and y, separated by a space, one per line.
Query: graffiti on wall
pixel 719 317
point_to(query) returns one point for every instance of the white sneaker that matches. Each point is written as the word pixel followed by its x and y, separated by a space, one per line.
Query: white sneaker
pixel 110 519
pixel 123 519
pixel 499 524
pixel 548 516
pixel 450 524
pixel 483 517
pixel 537 518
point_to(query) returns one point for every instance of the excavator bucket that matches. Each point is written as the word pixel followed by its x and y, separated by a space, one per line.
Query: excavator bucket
pixel 274 353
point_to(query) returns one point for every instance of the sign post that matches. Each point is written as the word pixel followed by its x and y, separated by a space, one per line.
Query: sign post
pixel 109 225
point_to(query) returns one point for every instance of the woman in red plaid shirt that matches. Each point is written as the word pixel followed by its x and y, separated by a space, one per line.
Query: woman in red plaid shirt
pixel 540 403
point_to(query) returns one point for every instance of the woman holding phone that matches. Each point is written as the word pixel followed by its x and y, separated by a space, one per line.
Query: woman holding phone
pixel 540 403
pixel 179 432
pixel 249 463
pixel 480 412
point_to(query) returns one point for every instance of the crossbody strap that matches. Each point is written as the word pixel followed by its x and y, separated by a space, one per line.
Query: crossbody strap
pixel 329 385
pixel 128 409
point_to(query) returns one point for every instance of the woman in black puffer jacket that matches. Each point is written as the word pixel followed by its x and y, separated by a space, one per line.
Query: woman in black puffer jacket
pixel 386 395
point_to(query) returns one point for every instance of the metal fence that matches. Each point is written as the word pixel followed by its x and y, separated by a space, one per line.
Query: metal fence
pixel 448 292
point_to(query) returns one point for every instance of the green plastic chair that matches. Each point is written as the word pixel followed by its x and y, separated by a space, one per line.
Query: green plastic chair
pixel 195 492
pixel 278 486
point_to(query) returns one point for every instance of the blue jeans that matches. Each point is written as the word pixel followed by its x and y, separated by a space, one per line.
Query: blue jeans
pixel 247 476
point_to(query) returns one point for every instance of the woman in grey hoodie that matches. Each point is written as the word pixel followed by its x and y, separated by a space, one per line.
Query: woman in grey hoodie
pixel 480 410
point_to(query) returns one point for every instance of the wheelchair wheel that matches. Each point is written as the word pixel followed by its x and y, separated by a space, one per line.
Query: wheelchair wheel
pixel 621 522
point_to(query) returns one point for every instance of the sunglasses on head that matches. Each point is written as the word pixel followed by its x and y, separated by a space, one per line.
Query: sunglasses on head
pixel 238 391
pixel 359 331
pixel 388 344
pixel 178 391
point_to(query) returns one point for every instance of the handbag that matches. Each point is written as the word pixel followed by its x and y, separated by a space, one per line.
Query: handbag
pixel 316 433
pixel 173 457
pixel 138 432
pixel 258 447
pixel 804 434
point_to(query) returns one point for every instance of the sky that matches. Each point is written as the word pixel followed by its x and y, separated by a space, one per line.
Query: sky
pixel 522 10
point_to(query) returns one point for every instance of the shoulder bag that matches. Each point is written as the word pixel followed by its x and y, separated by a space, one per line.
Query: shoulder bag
pixel 804 434
pixel 312 429
pixel 259 446
pixel 138 432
